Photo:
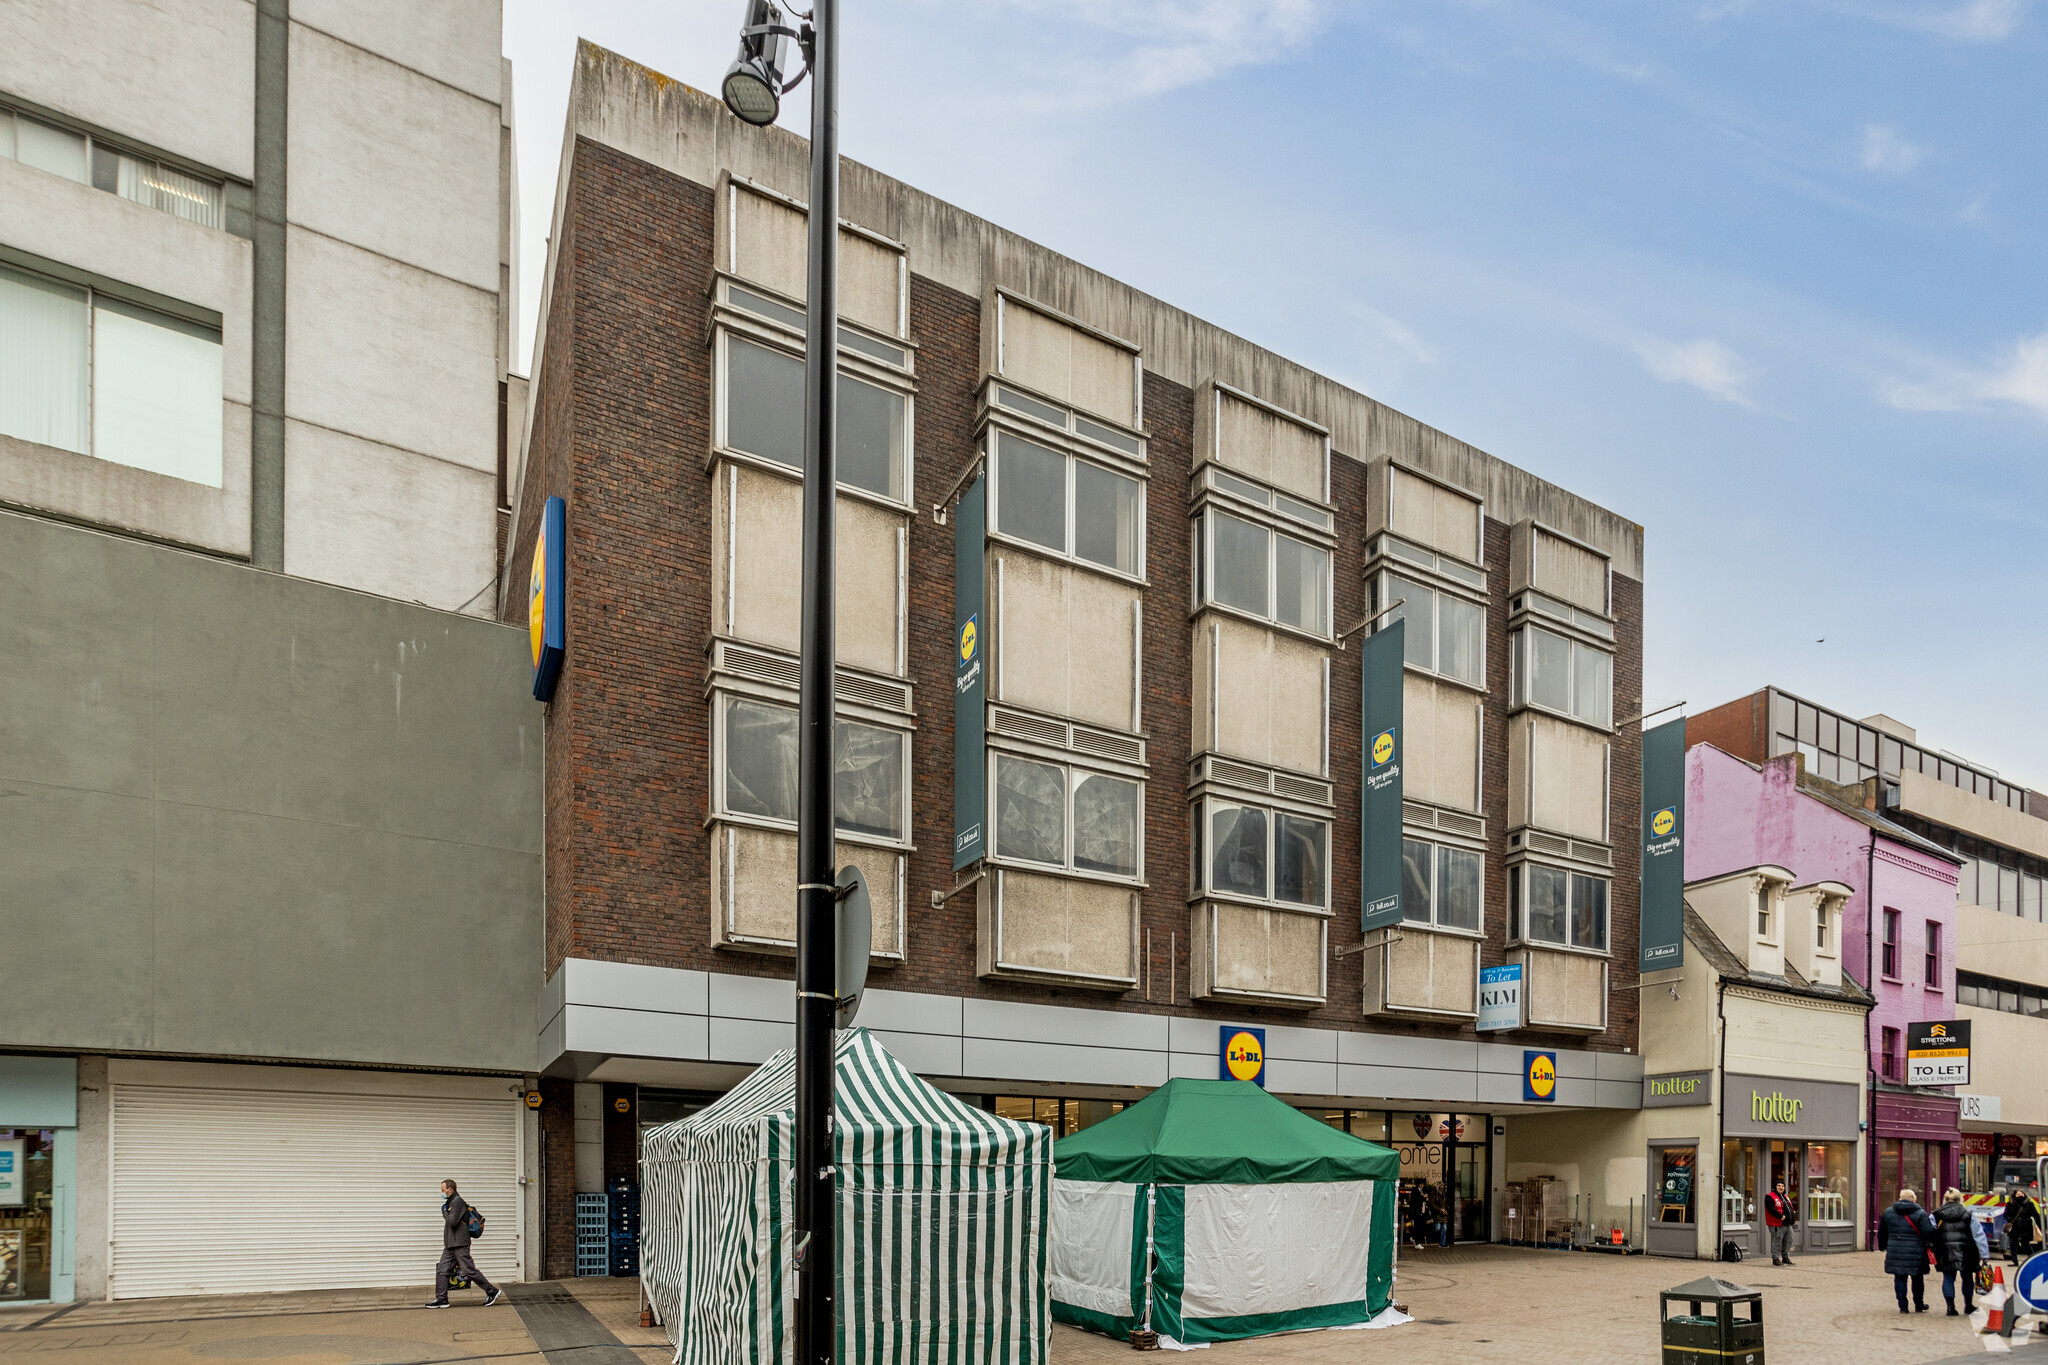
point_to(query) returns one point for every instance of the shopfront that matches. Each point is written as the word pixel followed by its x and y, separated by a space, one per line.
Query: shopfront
pixel 1916 1145
pixel 1445 1174
pixel 38 1179
pixel 1801 1133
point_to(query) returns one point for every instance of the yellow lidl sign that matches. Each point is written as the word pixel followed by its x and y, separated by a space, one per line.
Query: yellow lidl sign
pixel 1663 822
pixel 1539 1076
pixel 1382 747
pixel 547 599
pixel 536 597
pixel 967 640
pixel 1244 1054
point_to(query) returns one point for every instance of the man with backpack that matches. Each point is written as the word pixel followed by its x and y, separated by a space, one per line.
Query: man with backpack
pixel 460 1223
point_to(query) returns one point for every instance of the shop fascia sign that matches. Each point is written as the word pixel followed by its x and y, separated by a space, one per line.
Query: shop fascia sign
pixel 1775 1107
pixel 1677 1089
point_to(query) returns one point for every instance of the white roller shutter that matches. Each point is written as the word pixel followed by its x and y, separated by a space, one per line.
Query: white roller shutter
pixel 218 1191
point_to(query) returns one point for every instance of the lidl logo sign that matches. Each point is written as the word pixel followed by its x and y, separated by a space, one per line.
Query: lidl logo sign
pixel 1539 1076
pixel 1664 821
pixel 967 640
pixel 1382 748
pixel 1244 1054
pixel 537 597
pixel 547 598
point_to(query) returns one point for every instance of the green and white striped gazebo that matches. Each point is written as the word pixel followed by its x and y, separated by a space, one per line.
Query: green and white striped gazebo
pixel 942 1221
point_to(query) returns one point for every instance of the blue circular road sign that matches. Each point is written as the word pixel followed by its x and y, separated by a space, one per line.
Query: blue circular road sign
pixel 2031 1283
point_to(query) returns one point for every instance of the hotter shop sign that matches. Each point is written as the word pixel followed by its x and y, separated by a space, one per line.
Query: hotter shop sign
pixel 1777 1107
pixel 1678 1089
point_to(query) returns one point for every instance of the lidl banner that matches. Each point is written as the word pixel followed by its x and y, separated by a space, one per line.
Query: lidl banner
pixel 1662 942
pixel 1242 1054
pixel 1539 1076
pixel 1380 817
pixel 970 678
pixel 547 598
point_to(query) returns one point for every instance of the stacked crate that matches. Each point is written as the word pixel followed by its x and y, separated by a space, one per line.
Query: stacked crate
pixel 591 1241
pixel 623 1225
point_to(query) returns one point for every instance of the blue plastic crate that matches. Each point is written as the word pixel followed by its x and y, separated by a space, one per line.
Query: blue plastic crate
pixel 592 1242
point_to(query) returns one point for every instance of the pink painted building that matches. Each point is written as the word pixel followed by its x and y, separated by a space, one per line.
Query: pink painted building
pixel 1898 929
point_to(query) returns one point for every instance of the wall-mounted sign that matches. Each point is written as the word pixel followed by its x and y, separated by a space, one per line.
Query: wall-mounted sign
pixel 1500 997
pixel 1938 1053
pixel 623 1105
pixel 1678 1089
pixel 970 677
pixel 1980 1108
pixel 547 598
pixel 1978 1144
pixel 1539 1076
pixel 1661 941
pixel 533 1099
pixel 1775 1107
pixel 1381 658
pixel 11 1172
pixel 1241 1054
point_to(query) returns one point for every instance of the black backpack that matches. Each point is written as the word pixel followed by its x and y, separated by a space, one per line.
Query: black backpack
pixel 475 1223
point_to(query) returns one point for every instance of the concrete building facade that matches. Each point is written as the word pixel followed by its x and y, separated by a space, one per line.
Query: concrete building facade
pixel 1180 526
pixel 269 828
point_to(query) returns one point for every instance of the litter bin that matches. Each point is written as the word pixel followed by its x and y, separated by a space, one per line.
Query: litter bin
pixel 1709 1327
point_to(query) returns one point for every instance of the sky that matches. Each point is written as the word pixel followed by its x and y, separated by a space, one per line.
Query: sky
pixel 1766 276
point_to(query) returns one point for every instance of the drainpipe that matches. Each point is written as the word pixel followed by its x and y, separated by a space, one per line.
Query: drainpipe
pixel 1870 983
pixel 1720 1110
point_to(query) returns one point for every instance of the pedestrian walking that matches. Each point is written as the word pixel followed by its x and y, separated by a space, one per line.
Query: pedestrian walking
pixel 455 1239
pixel 2022 1221
pixel 1955 1250
pixel 1905 1235
pixel 1781 1214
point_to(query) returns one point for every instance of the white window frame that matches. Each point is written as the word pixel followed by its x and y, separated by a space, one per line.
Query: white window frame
pixel 1204 853
pixel 1433 924
pixel 721 376
pixel 1206 574
pixel 1074 774
pixel 94 144
pixel 1520 694
pixel 992 454
pixel 1383 599
pixel 725 815
pixel 1767 917
pixel 1518 910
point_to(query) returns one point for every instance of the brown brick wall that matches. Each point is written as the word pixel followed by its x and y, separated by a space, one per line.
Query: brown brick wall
pixel 558 1176
pixel 1739 727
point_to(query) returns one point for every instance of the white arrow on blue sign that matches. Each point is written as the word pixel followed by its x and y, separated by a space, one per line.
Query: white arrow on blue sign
pixel 2031 1284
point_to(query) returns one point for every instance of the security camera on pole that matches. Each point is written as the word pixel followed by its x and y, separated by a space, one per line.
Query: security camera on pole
pixel 753 90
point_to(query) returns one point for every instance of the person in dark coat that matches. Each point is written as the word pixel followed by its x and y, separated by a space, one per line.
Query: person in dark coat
pixel 2022 1221
pixel 1903 1235
pixel 455 1250
pixel 1955 1250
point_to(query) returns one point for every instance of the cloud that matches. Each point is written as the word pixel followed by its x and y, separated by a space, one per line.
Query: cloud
pixel 1169 44
pixel 1977 21
pixel 1705 364
pixel 1887 153
pixel 1397 332
pixel 2018 377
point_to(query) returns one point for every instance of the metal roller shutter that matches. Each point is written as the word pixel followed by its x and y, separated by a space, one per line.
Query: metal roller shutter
pixel 237 1191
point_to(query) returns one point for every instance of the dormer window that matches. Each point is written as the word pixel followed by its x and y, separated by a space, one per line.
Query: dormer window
pixel 1820 927
pixel 1763 914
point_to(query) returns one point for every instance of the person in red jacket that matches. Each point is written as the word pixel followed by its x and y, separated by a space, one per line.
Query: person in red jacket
pixel 1780 1214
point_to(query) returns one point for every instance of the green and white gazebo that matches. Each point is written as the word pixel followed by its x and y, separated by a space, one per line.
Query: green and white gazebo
pixel 1210 1211
pixel 942 1221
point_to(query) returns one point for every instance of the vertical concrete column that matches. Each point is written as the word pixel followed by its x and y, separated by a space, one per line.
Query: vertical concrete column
pixel 533 1194
pixel 89 1256
pixel 266 446
pixel 589 1137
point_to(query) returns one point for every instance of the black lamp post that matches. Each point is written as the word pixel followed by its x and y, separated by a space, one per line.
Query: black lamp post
pixel 753 90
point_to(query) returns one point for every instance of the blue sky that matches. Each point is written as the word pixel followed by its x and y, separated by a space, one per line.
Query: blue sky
pixel 1766 276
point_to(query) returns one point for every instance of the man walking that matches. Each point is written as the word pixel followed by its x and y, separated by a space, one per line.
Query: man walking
pixel 455 1250
pixel 1780 1213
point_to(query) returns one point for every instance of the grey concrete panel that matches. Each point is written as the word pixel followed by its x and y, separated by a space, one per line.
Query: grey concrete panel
pixel 924 1053
pixel 635 1033
pixel 630 985
pixel 453 41
pixel 753 997
pixel 910 1012
pixel 1626 1067
pixel 392 160
pixel 1298 1078
pixel 1386 1049
pixel 240 837
pixel 383 520
pixel 749 1040
pixel 1004 1019
pixel 1407 1083
pixel 176 74
pixel 1005 1060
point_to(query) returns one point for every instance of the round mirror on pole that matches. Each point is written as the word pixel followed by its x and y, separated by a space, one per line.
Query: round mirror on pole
pixel 856 928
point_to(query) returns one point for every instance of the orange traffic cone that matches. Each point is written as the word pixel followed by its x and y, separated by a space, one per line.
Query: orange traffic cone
pixel 1997 1303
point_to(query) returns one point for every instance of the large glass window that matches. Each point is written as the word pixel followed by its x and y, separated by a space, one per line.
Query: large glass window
pixel 1037 804
pixel 764 416
pixel 1440 885
pixel 761 764
pixel 1561 675
pixel 1446 634
pixel 1258 570
pixel 1068 505
pixel 1261 854
pixel 88 373
pixel 1556 906
pixel 138 179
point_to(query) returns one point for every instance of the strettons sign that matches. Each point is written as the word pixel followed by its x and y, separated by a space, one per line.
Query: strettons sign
pixel 1938 1053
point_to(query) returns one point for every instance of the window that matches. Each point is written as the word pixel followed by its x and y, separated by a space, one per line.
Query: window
pixel 1068 505
pixel 1820 929
pixel 1440 885
pixel 1065 420
pixel 1763 913
pixel 764 416
pixel 1266 574
pixel 1930 969
pixel 1590 622
pixel 760 774
pixel 1891 945
pixel 1555 906
pixel 2010 997
pixel 1266 497
pixel 1446 634
pixel 1547 670
pixel 89 161
pixel 1037 804
pixel 1259 854
pixel 1889 1062
pixel 89 373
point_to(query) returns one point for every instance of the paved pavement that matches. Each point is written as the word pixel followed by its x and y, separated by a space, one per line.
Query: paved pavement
pixel 1529 1307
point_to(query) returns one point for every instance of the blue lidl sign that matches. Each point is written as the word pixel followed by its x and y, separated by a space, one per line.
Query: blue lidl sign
pixel 1539 1076
pixel 547 599
pixel 1243 1054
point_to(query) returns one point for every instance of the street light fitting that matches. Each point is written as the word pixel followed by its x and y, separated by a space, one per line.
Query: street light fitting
pixel 754 86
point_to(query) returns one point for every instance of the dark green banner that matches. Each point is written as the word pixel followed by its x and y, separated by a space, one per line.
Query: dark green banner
pixel 970 679
pixel 1663 911
pixel 1380 817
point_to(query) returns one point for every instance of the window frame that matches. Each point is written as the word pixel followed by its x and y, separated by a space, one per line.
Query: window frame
pixel 1205 572
pixel 722 812
pixel 1072 773
pixel 97 144
pixel 1202 887
pixel 1518 906
pixel 991 455
pixel 1521 694
pixel 1930 960
pixel 1434 923
pixel 1890 964
pixel 1382 597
